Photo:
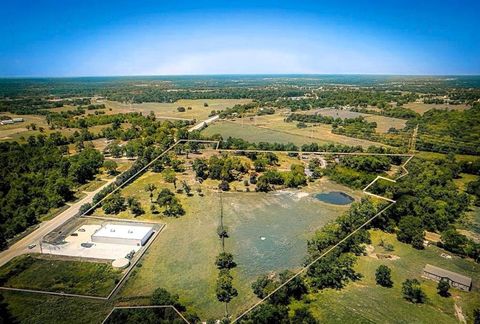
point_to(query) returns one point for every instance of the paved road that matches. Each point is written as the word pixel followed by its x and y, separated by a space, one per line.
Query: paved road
pixel 21 247
pixel 202 123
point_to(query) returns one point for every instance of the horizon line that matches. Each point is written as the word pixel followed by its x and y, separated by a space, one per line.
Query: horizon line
pixel 235 74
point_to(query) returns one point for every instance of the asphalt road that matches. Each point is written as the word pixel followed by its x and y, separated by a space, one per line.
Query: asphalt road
pixel 21 247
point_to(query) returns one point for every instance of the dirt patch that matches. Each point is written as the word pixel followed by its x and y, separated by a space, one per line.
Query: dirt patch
pixel 392 257
pixel 459 313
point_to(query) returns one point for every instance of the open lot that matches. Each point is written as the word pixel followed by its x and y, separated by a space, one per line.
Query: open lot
pixel 386 305
pixel 42 272
pixel 198 111
pixel 272 128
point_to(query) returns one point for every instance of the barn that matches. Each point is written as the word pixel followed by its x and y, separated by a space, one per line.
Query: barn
pixel 454 279
pixel 123 234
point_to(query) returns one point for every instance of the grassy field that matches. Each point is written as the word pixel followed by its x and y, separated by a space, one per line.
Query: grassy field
pixel 182 257
pixel 366 302
pixel 45 309
pixel 421 108
pixel 46 273
pixel 286 220
pixel 434 155
pixel 383 123
pixel 275 130
pixel 198 111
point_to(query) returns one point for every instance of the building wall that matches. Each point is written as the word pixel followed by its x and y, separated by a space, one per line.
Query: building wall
pixel 121 240
pixel 115 240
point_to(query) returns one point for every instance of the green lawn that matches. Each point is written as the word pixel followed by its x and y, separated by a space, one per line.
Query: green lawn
pixel 182 257
pixel 366 302
pixel 45 273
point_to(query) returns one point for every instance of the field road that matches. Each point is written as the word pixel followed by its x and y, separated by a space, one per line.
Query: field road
pixel 21 247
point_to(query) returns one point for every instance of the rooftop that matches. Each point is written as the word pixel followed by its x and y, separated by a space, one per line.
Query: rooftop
pixel 464 280
pixel 133 232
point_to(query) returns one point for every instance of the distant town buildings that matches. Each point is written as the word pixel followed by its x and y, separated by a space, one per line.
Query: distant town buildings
pixel 454 279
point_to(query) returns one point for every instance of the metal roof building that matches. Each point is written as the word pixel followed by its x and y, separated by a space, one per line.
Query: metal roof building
pixel 123 234
pixel 454 279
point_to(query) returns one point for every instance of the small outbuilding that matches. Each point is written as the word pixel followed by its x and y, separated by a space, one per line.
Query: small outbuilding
pixel 454 279
pixel 123 234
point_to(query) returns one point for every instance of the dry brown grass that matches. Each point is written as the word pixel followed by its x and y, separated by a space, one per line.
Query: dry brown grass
pixel 421 108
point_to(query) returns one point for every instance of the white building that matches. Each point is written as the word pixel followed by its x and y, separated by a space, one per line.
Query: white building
pixel 123 234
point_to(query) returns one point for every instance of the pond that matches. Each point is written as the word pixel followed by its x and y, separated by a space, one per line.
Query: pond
pixel 335 198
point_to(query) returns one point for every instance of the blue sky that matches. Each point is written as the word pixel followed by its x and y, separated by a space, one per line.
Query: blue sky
pixel 106 37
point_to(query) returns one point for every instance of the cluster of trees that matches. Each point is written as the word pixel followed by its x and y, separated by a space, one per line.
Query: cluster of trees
pixel 348 176
pixel 395 112
pixel 449 130
pixel 276 308
pixel 35 177
pixel 116 203
pixel 224 167
pixel 160 297
pixel 370 163
pixel 38 105
pixel 459 244
pixel 426 199
pixel 336 97
pixel 294 178
pixel 171 204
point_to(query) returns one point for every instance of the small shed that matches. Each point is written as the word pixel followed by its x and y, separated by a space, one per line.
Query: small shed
pixel 454 279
